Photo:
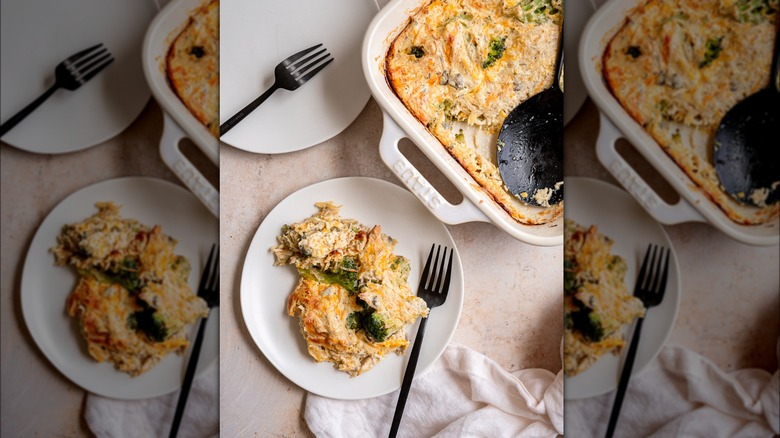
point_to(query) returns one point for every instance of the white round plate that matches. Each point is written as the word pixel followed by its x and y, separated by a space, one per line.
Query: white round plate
pixel 39 34
pixel 265 288
pixel 45 287
pixel 618 216
pixel 255 36
pixel 577 13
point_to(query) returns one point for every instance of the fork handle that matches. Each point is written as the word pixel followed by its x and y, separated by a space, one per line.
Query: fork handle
pixel 408 376
pixel 18 117
pixel 189 376
pixel 625 376
pixel 233 121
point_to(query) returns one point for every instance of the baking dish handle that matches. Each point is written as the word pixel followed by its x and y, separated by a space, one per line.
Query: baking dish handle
pixel 183 168
pixel 622 171
pixel 446 212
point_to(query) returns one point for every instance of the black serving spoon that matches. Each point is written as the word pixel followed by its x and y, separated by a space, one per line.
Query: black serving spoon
pixel 530 145
pixel 747 144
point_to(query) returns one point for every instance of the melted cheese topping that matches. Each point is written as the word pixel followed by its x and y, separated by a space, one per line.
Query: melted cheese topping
pixel 193 65
pixel 678 67
pixel 352 299
pixel 132 299
pixel 596 302
pixel 461 66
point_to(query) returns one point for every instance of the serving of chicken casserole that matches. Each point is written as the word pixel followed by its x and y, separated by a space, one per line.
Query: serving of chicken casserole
pixel 132 299
pixel 352 297
pixel 597 304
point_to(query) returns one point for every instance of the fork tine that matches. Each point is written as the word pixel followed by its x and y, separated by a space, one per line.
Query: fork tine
pixel 427 268
pixel 304 52
pixel 448 276
pixel 431 285
pixel 96 68
pixel 652 276
pixel 440 286
pixel 664 276
pixel 80 62
pixel 315 71
pixel 436 277
pixel 78 55
pixel 640 278
pixel 297 65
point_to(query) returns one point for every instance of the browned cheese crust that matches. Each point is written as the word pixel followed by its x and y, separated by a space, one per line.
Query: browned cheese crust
pixel 446 69
pixel 193 66
pixel 678 66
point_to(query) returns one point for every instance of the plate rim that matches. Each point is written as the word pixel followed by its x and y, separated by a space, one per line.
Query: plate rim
pixel 24 298
pixel 638 368
pixel 243 288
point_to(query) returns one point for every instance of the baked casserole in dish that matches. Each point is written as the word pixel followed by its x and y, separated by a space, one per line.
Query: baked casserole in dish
pixel 449 72
pixel 180 59
pixel 192 66
pixel 678 67
pixel 666 72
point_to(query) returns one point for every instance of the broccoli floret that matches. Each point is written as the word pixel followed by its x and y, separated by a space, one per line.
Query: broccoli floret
pixel 536 11
pixel 634 51
pixel 588 324
pixel 345 274
pixel 197 51
pixel 348 264
pixel 353 320
pixel 374 325
pixel 417 51
pixel 368 320
pixel 402 267
pixel 149 322
pixel 495 51
pixel 125 275
pixel 754 11
pixel 157 329
pixel 711 51
pixel 446 106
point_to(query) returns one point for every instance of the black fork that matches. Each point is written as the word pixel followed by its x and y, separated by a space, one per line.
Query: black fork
pixel 290 74
pixel 70 74
pixel 434 286
pixel 209 291
pixel 650 288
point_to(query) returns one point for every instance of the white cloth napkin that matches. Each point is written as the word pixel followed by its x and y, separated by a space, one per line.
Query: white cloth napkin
pixel 463 394
pixel 108 417
pixel 683 394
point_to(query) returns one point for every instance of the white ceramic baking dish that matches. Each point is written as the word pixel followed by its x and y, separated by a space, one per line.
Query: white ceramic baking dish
pixel 616 123
pixel 399 123
pixel 178 122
